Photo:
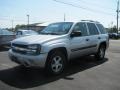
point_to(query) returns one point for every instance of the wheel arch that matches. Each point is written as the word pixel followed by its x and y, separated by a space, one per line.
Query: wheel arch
pixel 51 52
pixel 103 43
pixel 61 49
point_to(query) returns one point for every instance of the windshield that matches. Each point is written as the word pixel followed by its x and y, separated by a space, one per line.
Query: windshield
pixel 57 28
pixel 6 32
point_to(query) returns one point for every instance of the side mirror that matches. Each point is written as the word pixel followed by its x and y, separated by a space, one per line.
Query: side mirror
pixel 76 34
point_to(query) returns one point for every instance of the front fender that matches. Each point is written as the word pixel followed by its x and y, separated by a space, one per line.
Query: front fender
pixel 50 47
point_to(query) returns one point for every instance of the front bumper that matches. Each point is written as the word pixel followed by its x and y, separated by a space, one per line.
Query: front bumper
pixel 28 60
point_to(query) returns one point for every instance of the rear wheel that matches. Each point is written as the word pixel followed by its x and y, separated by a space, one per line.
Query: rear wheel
pixel 101 53
pixel 56 63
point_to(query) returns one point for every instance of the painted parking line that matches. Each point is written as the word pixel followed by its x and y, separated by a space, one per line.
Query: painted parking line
pixel 5 65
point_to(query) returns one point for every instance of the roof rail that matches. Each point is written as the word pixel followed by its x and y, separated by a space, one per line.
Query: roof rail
pixel 90 21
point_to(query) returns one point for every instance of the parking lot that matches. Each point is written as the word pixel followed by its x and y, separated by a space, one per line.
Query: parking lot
pixel 83 74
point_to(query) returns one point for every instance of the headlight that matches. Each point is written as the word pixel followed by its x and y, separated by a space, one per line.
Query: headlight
pixel 34 49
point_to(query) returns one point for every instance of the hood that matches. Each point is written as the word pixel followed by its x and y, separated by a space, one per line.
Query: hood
pixel 35 39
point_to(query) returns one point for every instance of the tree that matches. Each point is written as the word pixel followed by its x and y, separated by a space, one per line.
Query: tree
pixel 112 29
pixel 20 27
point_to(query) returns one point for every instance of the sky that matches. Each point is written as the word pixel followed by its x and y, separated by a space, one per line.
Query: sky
pixel 39 11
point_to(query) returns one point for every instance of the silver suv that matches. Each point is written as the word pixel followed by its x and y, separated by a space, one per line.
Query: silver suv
pixel 58 43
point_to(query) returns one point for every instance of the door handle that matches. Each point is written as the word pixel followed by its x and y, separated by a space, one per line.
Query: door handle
pixel 99 37
pixel 87 39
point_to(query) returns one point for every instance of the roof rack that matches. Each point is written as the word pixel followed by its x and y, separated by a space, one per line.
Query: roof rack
pixel 90 21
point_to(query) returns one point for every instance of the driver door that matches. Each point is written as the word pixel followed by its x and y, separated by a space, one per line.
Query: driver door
pixel 79 44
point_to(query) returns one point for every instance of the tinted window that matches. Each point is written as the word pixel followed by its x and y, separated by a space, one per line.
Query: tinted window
pixel 81 27
pixel 92 29
pixel 101 28
pixel 19 33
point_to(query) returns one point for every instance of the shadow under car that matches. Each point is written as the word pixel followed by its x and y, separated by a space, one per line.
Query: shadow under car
pixel 31 77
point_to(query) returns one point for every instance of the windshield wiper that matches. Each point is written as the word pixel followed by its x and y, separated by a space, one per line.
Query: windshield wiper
pixel 54 33
pixel 42 33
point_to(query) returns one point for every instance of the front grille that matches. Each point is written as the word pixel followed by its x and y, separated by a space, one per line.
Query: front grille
pixel 19 48
pixel 19 45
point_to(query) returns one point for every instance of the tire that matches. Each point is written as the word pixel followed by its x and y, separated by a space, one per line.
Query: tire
pixel 101 53
pixel 55 63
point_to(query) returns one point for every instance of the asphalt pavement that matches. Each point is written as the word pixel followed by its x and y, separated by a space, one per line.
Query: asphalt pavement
pixel 82 74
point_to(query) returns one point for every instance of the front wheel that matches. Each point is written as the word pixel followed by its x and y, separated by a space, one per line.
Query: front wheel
pixel 56 63
pixel 101 53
